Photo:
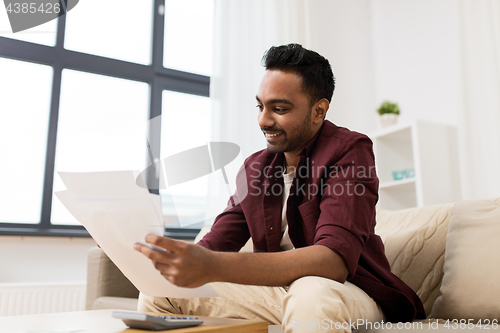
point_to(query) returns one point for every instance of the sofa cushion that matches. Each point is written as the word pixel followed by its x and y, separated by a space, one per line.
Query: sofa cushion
pixel 105 279
pixel 414 241
pixel 471 287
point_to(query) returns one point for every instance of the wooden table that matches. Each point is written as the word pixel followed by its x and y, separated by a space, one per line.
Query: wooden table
pixel 100 321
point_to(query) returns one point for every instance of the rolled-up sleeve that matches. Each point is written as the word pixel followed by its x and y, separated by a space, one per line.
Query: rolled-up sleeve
pixel 347 205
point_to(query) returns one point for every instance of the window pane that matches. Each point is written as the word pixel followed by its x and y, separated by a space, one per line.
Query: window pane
pixel 102 127
pixel 43 34
pixel 188 35
pixel 185 124
pixel 120 29
pixel 24 118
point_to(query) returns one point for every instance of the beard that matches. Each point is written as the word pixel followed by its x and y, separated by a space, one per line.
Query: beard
pixel 294 139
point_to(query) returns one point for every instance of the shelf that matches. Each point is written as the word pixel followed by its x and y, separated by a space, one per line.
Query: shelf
pixel 399 194
pixel 393 151
pixel 430 149
pixel 396 183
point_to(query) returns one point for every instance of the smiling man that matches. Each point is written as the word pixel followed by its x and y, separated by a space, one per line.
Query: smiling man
pixel 310 212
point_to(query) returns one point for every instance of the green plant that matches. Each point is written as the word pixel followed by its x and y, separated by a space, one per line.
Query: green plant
pixel 388 107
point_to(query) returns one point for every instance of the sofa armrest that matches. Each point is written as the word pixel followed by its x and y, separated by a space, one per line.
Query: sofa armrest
pixel 104 279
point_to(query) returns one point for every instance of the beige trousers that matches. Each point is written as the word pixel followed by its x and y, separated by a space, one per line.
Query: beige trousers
pixel 310 304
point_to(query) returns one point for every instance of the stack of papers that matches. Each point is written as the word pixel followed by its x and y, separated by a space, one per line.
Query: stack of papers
pixel 117 213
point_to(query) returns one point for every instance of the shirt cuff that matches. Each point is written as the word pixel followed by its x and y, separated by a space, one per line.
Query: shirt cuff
pixel 342 242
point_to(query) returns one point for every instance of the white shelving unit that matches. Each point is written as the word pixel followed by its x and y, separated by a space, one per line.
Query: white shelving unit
pixel 430 149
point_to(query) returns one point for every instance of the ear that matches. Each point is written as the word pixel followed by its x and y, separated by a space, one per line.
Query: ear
pixel 319 110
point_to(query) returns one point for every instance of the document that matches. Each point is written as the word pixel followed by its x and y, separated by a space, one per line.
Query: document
pixel 117 213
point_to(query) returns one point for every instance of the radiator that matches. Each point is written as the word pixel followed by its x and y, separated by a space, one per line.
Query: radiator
pixel 23 299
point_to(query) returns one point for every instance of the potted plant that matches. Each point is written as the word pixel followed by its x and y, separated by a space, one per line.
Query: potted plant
pixel 389 113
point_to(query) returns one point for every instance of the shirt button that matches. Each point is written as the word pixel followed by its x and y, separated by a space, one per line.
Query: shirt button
pixel 271 228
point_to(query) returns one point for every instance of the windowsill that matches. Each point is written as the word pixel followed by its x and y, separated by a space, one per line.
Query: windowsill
pixel 37 231
pixel 176 233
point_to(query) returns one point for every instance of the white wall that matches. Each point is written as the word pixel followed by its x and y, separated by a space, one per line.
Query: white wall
pixel 416 57
pixel 403 51
pixel 341 32
pixel 43 259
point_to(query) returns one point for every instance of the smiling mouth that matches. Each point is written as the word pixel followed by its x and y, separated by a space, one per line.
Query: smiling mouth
pixel 270 135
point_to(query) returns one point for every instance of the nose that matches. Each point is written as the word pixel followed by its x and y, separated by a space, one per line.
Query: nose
pixel 265 118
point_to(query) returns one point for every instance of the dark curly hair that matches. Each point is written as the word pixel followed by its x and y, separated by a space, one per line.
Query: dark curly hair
pixel 318 81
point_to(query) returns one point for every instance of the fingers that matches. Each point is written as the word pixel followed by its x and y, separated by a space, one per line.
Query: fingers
pixel 155 255
pixel 165 269
pixel 166 263
pixel 171 273
pixel 181 263
pixel 169 244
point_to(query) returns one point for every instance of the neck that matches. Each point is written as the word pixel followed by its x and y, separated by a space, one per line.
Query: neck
pixel 292 160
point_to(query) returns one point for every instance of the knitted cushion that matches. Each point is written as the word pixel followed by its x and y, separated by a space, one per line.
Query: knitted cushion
pixel 415 242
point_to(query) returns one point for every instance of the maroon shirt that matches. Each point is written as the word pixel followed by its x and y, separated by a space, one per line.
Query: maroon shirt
pixel 331 203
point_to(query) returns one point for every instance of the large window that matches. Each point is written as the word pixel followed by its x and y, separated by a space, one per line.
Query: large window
pixel 78 93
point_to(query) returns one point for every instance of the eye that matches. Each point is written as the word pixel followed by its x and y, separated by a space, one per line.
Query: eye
pixel 279 109
pixel 260 107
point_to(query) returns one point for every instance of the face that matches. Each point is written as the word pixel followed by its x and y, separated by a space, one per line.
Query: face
pixel 285 113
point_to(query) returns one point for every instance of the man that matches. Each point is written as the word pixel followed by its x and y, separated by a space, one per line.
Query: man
pixel 310 211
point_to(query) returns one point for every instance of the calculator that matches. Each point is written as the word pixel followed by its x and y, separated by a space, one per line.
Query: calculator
pixel 155 323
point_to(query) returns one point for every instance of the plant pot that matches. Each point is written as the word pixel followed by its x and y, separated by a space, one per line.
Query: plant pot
pixel 388 119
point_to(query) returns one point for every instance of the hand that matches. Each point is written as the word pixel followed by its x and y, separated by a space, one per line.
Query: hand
pixel 183 264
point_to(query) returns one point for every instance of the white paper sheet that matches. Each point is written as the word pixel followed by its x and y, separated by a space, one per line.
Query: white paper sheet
pixel 117 213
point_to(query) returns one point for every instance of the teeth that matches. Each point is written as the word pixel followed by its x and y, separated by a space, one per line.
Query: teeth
pixel 269 135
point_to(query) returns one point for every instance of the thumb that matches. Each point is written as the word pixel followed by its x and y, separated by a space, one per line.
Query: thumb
pixel 169 244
